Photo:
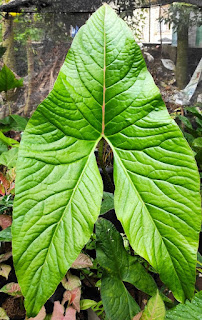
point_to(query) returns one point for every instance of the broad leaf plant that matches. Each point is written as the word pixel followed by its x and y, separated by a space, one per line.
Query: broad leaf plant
pixel 104 91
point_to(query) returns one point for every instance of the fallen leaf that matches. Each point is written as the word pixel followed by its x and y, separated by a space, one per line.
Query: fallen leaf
pixel 82 261
pixel 5 221
pixel 5 270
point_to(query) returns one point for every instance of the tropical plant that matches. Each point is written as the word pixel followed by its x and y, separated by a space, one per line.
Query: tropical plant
pixel 104 91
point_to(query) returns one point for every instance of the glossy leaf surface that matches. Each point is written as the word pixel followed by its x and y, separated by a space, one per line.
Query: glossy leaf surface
pixel 104 90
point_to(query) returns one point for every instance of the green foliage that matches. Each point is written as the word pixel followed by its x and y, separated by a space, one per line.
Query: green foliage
pixel 119 266
pixel 107 202
pixel 191 126
pixel 13 122
pixel 9 158
pixel 8 80
pixel 5 235
pixel 155 309
pixel 3 146
pixel 180 15
pixel 5 204
pixel 188 311
pixel 104 91
pixel 8 141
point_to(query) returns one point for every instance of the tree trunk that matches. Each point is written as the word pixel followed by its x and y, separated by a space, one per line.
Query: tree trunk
pixel 182 57
pixel 8 42
pixel 30 66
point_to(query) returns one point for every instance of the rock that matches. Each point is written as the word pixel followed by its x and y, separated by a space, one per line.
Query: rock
pixel 168 64
pixel 199 98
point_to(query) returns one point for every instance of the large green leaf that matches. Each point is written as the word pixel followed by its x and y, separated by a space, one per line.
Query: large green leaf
pixel 188 311
pixel 8 80
pixel 104 90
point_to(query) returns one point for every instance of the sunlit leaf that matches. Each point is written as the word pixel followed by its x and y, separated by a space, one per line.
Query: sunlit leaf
pixel 10 142
pixel 155 309
pixel 104 90
pixel 87 304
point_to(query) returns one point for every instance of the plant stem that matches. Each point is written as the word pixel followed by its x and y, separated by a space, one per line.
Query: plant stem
pixel 105 173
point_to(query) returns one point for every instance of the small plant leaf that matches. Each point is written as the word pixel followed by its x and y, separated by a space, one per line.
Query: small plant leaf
pixel 5 270
pixel 155 309
pixel 87 304
pixel 73 297
pixel 12 288
pixel 10 142
pixel 83 261
pixel 188 311
pixel 3 315
pixel 13 122
pixel 58 312
pixel 107 202
pixel 71 282
pixel 5 256
pixel 9 158
pixel 5 235
pixel 197 143
pixel 8 80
